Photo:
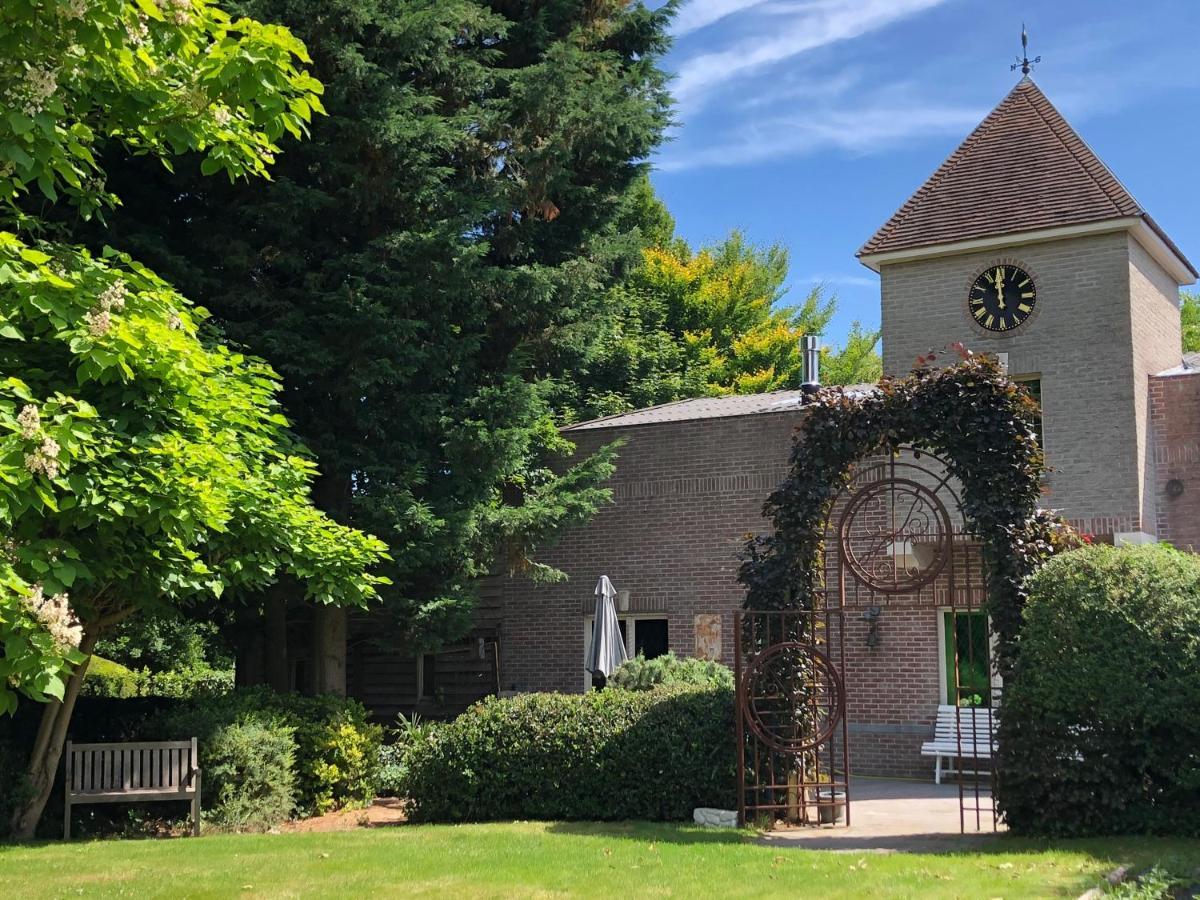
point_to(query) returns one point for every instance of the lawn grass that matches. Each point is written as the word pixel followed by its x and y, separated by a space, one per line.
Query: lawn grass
pixel 536 859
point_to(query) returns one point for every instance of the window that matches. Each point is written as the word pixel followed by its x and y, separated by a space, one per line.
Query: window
pixel 1033 384
pixel 647 636
pixel 967 647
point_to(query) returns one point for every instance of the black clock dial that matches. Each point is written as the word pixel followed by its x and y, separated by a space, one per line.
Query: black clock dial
pixel 1001 298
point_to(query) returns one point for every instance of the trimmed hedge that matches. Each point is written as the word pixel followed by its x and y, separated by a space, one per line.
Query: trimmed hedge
pixel 641 674
pixel 611 754
pixel 106 678
pixel 1100 727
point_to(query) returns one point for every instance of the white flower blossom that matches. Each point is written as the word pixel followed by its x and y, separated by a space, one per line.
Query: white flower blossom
pixel 99 322
pixel 37 87
pixel 139 33
pixel 50 448
pixel 74 9
pixel 174 322
pixel 30 421
pixel 55 613
pixel 38 462
pixel 222 116
pixel 180 10
pixel 113 296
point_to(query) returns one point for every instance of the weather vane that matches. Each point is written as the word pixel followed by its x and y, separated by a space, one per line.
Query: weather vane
pixel 1025 64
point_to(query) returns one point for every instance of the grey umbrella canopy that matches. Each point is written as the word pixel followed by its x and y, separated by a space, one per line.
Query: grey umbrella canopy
pixel 607 650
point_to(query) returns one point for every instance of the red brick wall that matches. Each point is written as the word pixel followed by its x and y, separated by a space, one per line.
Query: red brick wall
pixel 1175 433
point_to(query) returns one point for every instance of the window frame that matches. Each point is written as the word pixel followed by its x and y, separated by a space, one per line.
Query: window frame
pixel 997 682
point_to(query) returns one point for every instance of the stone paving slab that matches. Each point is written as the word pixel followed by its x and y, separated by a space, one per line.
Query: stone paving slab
pixel 893 816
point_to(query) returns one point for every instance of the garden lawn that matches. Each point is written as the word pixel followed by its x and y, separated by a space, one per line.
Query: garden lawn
pixel 526 859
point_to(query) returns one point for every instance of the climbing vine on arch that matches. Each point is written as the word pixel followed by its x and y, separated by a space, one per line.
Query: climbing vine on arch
pixel 970 415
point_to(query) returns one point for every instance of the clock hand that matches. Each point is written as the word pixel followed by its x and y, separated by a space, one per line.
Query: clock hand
pixel 1000 286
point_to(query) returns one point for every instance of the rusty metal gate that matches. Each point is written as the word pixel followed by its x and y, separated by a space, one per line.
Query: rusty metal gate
pixel 904 592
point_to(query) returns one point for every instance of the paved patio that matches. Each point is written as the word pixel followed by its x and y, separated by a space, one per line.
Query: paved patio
pixel 898 816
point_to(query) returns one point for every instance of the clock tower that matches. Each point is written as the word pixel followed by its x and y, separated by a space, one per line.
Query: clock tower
pixel 1025 245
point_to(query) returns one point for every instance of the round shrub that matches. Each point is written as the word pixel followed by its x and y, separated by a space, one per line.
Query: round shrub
pixel 611 754
pixel 1100 726
pixel 641 674
pixel 248 777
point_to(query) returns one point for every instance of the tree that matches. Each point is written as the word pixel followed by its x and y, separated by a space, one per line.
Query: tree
pixel 691 323
pixel 140 466
pixel 1189 311
pixel 450 220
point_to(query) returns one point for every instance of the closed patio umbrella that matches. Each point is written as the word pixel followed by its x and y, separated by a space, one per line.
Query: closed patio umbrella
pixel 607 650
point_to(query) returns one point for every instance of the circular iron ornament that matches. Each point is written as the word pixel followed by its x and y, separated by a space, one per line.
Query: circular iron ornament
pixel 794 697
pixel 895 536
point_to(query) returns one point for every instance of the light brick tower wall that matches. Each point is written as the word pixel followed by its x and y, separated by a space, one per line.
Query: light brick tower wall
pixel 1106 319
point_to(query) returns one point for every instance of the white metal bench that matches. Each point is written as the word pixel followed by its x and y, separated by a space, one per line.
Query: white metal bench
pixel 961 733
pixel 131 773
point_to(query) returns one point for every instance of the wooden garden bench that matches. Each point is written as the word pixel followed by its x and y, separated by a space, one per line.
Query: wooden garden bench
pixel 961 733
pixel 131 773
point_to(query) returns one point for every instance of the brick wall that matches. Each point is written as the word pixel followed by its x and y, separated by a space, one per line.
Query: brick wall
pixel 1175 425
pixel 685 496
pixel 1103 321
pixel 1157 346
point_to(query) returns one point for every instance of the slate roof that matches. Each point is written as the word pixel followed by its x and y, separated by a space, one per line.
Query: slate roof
pixel 1022 169
pixel 706 408
pixel 1189 366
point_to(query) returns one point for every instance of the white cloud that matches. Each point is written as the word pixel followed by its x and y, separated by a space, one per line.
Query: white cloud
pixel 700 13
pixel 790 30
pixel 847 280
pixel 889 117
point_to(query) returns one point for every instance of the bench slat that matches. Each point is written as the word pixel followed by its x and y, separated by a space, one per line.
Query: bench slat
pixel 136 745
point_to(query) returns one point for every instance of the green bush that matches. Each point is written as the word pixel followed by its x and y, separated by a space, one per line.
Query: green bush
pixel 248 776
pixel 641 674
pixel 106 678
pixel 337 748
pixel 611 754
pixel 392 775
pixel 1100 725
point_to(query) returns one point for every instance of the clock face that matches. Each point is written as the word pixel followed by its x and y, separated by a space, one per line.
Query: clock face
pixel 1002 298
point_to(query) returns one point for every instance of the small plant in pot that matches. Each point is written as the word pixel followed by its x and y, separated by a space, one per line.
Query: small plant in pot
pixel 830 801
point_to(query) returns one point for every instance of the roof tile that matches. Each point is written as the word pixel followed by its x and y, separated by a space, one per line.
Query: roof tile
pixel 1022 169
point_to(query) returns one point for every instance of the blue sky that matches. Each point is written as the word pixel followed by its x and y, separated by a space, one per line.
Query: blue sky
pixel 808 122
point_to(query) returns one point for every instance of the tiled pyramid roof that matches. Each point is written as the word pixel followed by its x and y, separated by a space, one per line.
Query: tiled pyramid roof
pixel 1023 169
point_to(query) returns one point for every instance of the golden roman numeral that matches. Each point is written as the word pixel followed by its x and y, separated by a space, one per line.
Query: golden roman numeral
pixel 1023 283
pixel 990 321
pixel 981 312
pixel 1027 294
pixel 1023 307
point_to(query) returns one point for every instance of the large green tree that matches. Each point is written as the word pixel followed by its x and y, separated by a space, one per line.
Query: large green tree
pixel 689 323
pixel 141 468
pixel 450 217
pixel 1189 311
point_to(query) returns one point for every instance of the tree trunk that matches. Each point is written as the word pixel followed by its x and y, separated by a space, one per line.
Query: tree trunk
pixel 332 494
pixel 48 746
pixel 275 649
pixel 329 650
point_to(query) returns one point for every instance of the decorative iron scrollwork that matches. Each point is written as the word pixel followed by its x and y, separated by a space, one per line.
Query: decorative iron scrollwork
pixel 895 536
pixel 794 697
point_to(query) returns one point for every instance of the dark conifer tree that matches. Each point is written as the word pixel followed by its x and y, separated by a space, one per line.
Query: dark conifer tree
pixel 455 212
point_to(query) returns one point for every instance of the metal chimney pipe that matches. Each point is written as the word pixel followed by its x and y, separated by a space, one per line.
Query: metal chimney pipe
pixel 812 363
